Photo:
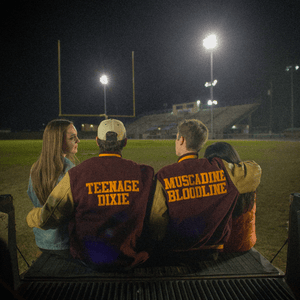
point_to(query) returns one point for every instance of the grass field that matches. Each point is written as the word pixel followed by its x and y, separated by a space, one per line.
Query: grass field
pixel 280 162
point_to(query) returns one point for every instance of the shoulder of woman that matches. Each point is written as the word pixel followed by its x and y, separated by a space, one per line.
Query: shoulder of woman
pixel 68 164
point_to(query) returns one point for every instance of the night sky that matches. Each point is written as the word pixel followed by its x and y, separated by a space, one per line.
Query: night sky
pixel 256 41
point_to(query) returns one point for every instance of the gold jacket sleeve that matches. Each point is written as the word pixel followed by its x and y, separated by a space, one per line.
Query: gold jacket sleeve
pixel 58 208
pixel 245 175
pixel 159 217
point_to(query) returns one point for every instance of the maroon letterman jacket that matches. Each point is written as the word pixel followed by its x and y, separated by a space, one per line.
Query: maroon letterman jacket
pixel 110 197
pixel 194 200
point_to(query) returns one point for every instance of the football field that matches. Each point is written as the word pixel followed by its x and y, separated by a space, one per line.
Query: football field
pixel 279 160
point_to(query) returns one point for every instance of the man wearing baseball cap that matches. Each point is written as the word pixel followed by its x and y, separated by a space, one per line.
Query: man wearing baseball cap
pixel 104 199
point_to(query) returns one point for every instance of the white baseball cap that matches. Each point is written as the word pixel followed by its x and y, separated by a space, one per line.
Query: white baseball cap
pixel 111 125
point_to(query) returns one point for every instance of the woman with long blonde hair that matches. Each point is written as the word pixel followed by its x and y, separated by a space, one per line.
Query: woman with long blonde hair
pixel 60 144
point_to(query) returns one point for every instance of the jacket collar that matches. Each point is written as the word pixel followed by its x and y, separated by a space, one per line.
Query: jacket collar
pixel 190 155
pixel 110 154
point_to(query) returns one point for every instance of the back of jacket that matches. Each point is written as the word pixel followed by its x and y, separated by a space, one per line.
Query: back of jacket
pixel 110 197
pixel 200 198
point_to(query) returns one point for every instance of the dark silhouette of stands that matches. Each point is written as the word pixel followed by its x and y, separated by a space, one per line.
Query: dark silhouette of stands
pixel 164 126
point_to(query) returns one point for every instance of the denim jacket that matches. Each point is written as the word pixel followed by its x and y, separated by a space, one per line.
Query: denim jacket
pixel 51 239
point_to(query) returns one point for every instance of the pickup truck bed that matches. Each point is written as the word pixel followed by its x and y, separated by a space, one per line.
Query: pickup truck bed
pixel 232 276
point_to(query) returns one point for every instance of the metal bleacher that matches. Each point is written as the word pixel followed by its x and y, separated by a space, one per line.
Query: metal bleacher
pixel 146 124
pixel 163 125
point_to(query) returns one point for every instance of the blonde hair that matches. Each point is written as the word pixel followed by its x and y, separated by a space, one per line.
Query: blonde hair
pixel 46 170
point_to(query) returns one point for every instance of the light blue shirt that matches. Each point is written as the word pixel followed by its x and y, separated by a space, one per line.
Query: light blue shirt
pixel 51 239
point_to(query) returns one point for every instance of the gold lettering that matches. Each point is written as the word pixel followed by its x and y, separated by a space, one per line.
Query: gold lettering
pixel 204 178
pixel 120 187
pixel 222 175
pixel 171 196
pixel 178 181
pixel 197 180
pixel 119 199
pixel 112 186
pixel 177 195
pixel 211 189
pixel 192 193
pixel 96 186
pixel 135 187
pixel 217 189
pixel 186 193
pixel 190 180
pixel 104 188
pixel 185 180
pixel 198 191
pixel 127 185
pixel 217 175
pixel 204 191
pixel 89 186
pixel 113 201
pixel 222 187
pixel 211 177
pixel 107 199
pixel 169 184
pixel 101 200
pixel 125 200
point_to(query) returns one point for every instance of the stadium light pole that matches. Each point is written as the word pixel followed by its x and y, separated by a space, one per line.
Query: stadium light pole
pixel 292 68
pixel 104 81
pixel 198 105
pixel 210 43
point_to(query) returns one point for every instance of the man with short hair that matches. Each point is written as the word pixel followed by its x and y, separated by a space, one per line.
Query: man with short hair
pixel 194 198
pixel 104 199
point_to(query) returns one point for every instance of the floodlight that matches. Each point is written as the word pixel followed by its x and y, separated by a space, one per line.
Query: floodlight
pixel 208 84
pixel 214 102
pixel 210 42
pixel 103 79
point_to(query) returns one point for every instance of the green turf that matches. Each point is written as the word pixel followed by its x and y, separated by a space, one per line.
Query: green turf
pixel 280 162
